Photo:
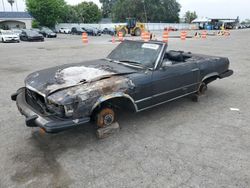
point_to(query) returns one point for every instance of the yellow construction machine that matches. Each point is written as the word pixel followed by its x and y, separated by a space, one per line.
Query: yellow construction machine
pixel 132 27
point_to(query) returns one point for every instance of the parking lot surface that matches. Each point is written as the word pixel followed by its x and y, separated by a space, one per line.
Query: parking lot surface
pixel 179 144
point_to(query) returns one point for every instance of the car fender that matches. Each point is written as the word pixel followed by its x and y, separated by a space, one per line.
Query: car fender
pixel 112 96
pixel 210 75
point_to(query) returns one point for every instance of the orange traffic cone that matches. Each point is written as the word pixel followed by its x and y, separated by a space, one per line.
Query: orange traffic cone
pixel 120 36
pixel 227 33
pixel 113 39
pixel 165 37
pixel 183 35
pixel 204 35
pixel 85 38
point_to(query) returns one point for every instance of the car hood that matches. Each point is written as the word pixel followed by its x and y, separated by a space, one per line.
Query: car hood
pixel 52 80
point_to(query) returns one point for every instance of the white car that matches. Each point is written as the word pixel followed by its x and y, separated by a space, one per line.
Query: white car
pixel 65 30
pixel 17 32
pixel 8 36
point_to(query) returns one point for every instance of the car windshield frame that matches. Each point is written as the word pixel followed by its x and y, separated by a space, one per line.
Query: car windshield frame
pixel 135 56
pixel 47 30
pixel 79 29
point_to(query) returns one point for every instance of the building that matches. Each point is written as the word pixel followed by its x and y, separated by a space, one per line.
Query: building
pixel 9 20
pixel 217 23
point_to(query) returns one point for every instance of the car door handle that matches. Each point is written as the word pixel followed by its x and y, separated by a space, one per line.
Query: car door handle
pixel 193 70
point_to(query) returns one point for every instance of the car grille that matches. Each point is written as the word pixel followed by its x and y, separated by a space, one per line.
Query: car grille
pixel 38 102
pixel 35 100
pixel 11 38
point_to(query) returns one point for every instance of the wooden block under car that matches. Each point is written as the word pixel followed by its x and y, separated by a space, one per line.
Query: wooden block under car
pixel 107 131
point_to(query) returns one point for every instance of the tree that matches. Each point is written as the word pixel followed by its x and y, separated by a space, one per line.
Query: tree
pixel 46 12
pixel 147 10
pixel 88 12
pixel 190 16
pixel 85 12
pixel 246 21
pixel 70 15
pixel 35 24
pixel 107 6
pixel 50 12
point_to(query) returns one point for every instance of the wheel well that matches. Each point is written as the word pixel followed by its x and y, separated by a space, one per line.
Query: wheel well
pixel 119 103
pixel 210 79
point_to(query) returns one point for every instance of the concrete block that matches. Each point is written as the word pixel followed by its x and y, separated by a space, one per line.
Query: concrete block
pixel 108 131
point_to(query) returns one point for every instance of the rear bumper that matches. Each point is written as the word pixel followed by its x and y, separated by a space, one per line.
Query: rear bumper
pixel 226 74
pixel 49 124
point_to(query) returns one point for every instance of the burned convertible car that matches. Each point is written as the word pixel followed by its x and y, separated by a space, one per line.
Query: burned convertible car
pixel 135 76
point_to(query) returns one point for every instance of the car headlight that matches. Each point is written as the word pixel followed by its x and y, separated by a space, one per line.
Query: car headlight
pixel 69 110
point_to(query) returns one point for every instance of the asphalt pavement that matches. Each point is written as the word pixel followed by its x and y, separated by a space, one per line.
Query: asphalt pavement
pixel 179 144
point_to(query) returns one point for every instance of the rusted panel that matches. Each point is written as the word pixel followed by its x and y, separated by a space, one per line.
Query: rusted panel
pixel 82 86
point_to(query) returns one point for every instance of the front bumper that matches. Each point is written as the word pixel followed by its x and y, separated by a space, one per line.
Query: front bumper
pixel 226 74
pixel 49 124
pixel 36 39
pixel 11 40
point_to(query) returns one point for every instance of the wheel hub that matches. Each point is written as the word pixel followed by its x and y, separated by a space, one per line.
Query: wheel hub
pixel 108 119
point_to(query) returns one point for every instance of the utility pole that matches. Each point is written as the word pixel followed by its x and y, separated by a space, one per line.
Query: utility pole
pixel 3 5
pixel 144 7
pixel 11 2
pixel 145 12
pixel 16 6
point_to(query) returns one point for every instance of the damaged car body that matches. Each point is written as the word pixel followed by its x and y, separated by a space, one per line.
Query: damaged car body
pixel 136 75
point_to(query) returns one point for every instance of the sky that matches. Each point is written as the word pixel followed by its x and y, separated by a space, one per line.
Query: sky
pixel 208 8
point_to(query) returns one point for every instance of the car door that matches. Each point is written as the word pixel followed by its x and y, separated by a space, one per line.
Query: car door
pixel 174 81
pixel 142 93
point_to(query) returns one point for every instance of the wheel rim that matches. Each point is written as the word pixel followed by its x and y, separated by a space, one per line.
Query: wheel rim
pixel 105 117
pixel 138 32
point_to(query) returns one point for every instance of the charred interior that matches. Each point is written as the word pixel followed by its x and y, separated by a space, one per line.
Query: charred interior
pixel 177 56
